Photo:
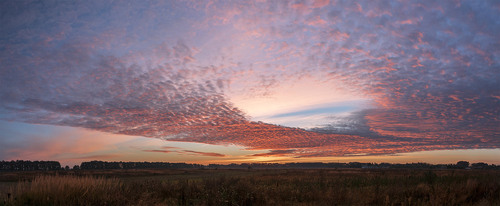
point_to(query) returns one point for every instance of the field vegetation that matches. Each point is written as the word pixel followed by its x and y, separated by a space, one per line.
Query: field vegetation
pixel 252 187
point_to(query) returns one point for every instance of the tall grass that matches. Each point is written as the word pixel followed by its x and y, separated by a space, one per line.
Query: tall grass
pixel 266 187
pixel 68 190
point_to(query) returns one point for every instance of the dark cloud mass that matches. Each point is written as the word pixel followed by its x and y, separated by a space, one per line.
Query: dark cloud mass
pixel 431 69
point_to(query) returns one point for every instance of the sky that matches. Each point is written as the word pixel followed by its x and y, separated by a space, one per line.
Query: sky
pixel 250 81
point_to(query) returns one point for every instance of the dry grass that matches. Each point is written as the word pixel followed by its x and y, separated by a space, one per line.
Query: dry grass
pixel 68 190
pixel 264 187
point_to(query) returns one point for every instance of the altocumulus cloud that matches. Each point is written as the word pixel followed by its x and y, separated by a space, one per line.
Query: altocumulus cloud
pixel 431 70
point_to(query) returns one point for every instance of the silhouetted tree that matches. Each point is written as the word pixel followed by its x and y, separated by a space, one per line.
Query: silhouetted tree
pixel 479 165
pixel 21 165
pixel 462 164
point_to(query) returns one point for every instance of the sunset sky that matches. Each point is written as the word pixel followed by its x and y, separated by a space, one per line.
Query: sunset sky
pixel 250 81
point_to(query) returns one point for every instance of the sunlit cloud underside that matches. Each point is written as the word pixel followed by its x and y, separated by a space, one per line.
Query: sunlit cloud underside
pixel 297 79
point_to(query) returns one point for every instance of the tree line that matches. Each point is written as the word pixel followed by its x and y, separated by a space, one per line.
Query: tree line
pixel 136 165
pixel 23 165
pixel 319 165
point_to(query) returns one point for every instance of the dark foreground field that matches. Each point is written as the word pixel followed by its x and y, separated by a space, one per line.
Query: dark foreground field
pixel 252 187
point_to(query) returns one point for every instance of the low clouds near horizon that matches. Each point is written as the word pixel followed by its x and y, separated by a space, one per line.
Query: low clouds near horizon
pixel 171 70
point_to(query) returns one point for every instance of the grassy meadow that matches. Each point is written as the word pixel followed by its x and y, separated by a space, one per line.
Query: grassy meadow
pixel 252 187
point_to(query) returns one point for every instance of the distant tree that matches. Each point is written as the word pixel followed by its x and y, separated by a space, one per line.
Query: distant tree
pixel 462 164
pixel 66 168
pixel 355 164
pixel 76 167
pixel 22 165
pixel 479 165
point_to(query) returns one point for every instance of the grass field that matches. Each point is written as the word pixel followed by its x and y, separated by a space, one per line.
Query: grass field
pixel 252 187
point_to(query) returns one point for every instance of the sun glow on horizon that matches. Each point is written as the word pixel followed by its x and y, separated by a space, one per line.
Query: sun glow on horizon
pixel 189 81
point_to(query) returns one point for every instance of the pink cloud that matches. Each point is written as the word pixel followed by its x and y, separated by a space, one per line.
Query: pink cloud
pixel 320 3
pixel 316 21
pixel 211 154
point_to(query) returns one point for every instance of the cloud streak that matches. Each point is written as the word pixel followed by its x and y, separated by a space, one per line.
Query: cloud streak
pixel 191 152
